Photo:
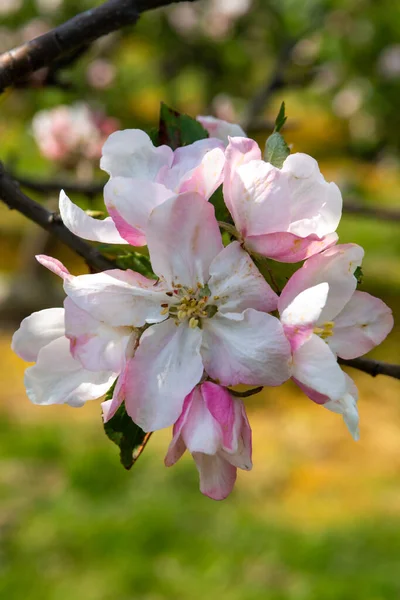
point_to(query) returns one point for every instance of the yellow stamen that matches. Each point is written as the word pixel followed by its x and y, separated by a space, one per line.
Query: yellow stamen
pixel 193 323
pixel 164 311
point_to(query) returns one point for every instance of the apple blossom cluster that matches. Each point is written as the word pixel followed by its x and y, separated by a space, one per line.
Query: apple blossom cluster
pixel 173 345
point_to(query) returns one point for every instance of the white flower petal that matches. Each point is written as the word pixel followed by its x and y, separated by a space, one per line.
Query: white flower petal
pixel 245 348
pixel 119 298
pixel 237 282
pixel 183 238
pixel 87 227
pixel 316 367
pixel 36 331
pixel 165 368
pixel 57 378
pixel 131 153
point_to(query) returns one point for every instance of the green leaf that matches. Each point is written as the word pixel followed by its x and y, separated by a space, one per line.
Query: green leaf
pixel 276 150
pixel 221 211
pixel 280 119
pixel 136 262
pixel 128 436
pixel 176 129
pixel 359 275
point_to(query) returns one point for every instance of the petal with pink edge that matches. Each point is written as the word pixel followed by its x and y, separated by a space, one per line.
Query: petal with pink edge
pixel 183 239
pixel 97 346
pixel 36 331
pixel 316 205
pixel 240 151
pixel 335 266
pixel 201 431
pixel 261 199
pixel 177 446
pixel 237 282
pixel 165 368
pixel 220 129
pixel 315 366
pixel 84 226
pixel 289 248
pixel 363 324
pixel 131 153
pixel 347 407
pixel 57 378
pixel 220 405
pixel 250 347
pixel 119 298
pixel 53 265
pixel 130 202
pixel 196 168
pixel 217 476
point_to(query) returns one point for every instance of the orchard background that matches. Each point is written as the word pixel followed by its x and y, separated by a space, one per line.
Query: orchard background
pixel 318 517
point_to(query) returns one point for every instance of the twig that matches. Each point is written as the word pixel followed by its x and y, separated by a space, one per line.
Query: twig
pixel 82 29
pixel 14 198
pixel 50 186
pixel 372 367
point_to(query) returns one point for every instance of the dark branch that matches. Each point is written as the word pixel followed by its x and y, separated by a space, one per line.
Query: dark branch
pixel 372 367
pixel 82 29
pixel 55 185
pixel 15 199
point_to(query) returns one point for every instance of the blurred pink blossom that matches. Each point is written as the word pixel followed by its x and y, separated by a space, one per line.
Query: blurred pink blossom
pixel 69 133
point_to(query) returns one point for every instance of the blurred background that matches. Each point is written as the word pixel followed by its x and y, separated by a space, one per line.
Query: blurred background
pixel 318 517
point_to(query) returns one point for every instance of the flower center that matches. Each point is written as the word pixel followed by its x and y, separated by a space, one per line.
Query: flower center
pixel 191 305
pixel 326 330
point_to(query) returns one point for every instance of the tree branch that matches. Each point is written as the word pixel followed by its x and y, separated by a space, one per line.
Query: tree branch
pixel 14 198
pixel 56 185
pixel 82 29
pixel 372 367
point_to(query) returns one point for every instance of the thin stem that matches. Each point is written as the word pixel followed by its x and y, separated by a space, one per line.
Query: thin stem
pixel 372 367
pixel 247 393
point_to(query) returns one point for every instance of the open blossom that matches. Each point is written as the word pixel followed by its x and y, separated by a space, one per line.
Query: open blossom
pixel 287 214
pixel 56 377
pixel 143 176
pixel 214 428
pixel 207 311
pixel 69 133
pixel 324 316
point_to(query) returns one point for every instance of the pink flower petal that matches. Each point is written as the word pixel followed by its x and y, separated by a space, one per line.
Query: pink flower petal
pixel 119 298
pixel 131 153
pixel 237 282
pixel 183 239
pixel 217 476
pixel 335 266
pixel 36 331
pixel 250 348
pixel 315 366
pixel 97 346
pixel 84 226
pixel 240 151
pixel 289 248
pixel 165 368
pixel 316 206
pixel 54 265
pixel 130 202
pixel 220 129
pixel 363 323
pixel 57 378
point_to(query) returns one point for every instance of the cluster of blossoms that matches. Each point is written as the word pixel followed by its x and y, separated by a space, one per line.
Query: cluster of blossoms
pixel 68 134
pixel 209 319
